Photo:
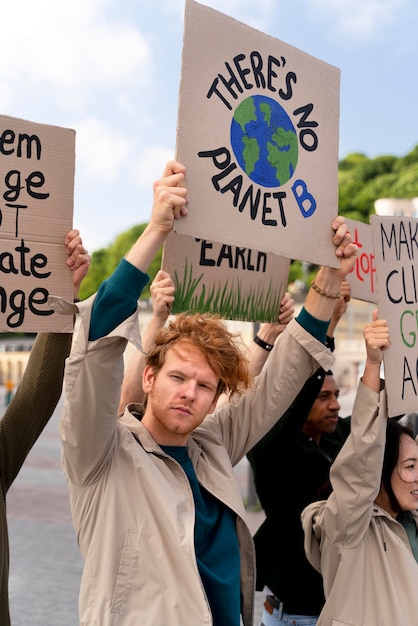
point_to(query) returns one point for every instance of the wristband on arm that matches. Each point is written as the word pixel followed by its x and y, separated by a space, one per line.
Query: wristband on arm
pixel 263 344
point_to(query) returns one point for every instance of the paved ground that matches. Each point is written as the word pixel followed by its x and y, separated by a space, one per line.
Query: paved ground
pixel 46 566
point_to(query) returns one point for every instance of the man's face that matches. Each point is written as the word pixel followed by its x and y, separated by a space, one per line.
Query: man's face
pixel 323 417
pixel 180 396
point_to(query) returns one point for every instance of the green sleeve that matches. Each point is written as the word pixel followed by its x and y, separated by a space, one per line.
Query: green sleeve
pixel 33 403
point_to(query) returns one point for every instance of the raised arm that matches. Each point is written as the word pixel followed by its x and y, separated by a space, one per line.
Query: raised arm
pixel 377 338
pixel 326 288
pixel 94 370
pixel 268 333
pixel 297 354
pixel 340 307
pixel 170 198
pixel 117 297
pixel 162 294
pixel 264 341
pixel 356 472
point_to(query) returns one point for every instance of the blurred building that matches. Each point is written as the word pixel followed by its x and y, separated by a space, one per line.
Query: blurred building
pixel 14 355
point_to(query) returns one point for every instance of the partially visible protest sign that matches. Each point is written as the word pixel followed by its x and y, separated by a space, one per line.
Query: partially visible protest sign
pixel 363 277
pixel 235 282
pixel 36 211
pixel 395 241
pixel 258 133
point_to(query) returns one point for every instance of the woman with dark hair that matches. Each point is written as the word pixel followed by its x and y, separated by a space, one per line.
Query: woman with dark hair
pixel 398 436
pixel 363 539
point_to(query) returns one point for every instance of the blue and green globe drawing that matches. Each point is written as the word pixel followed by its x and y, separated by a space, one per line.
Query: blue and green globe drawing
pixel 264 141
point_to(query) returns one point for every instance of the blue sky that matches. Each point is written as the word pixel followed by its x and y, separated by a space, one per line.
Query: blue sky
pixel 110 69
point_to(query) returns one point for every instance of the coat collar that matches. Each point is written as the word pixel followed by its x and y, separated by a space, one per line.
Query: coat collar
pixel 131 419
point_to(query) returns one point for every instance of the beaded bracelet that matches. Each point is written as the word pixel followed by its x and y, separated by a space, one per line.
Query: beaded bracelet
pixel 263 344
pixel 321 292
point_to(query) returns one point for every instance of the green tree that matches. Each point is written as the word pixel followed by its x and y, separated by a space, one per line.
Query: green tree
pixel 362 180
pixel 104 261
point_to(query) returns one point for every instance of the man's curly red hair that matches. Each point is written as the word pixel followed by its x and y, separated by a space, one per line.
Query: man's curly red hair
pixel 221 349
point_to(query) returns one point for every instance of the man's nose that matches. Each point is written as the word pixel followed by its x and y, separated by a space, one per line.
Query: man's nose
pixel 334 403
pixel 189 389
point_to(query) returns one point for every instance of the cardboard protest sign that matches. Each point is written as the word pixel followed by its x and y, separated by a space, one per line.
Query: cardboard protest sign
pixel 37 165
pixel 395 241
pixel 258 132
pixel 362 279
pixel 236 283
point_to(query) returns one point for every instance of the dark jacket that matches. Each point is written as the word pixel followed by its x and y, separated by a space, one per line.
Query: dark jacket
pixel 290 471
pixel 27 414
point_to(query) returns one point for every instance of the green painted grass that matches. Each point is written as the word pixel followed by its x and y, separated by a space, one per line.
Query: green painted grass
pixel 229 300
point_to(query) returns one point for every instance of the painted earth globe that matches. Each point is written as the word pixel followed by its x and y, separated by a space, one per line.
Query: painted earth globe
pixel 264 141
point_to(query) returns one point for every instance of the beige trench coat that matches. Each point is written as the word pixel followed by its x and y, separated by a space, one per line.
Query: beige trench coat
pixel 369 571
pixel 132 505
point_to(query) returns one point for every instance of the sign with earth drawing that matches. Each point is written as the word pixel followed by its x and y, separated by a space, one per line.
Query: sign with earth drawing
pixel 234 282
pixel 258 133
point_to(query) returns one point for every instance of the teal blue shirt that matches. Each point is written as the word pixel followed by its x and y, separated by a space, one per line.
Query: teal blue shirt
pixel 317 328
pixel 216 545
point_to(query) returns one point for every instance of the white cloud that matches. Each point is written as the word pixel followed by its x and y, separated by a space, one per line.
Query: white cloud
pixel 67 45
pixel 101 152
pixel 359 18
pixel 151 164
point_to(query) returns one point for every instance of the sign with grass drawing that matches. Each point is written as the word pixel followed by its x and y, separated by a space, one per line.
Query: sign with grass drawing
pixel 395 241
pixel 236 283
pixel 363 277
pixel 36 211
pixel 258 133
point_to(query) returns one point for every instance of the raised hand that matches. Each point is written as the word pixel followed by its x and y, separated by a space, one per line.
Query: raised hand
pixel 377 338
pixel 162 293
pixel 78 258
pixel 170 197
pixel 346 250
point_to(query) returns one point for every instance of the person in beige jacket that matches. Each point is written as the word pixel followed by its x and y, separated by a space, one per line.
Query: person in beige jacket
pixel 158 514
pixel 363 539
